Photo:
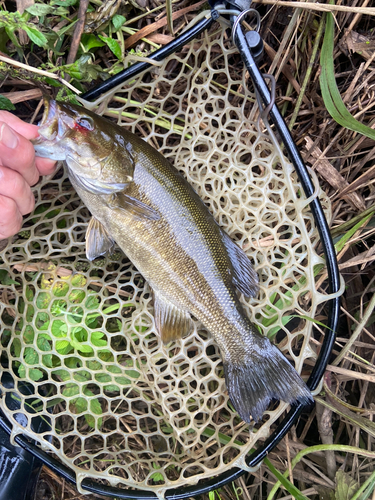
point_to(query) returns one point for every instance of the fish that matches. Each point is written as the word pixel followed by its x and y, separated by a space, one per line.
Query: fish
pixel 139 201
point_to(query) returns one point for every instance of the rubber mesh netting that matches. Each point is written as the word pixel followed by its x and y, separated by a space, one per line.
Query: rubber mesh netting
pixel 119 405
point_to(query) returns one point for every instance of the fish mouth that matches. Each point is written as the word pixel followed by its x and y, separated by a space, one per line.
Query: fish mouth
pixel 46 145
pixel 49 113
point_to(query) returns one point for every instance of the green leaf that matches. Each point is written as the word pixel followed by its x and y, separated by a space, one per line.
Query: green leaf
pixel 6 104
pixel 60 289
pixel 40 9
pixel 294 492
pixel 122 380
pixel 42 321
pixel 29 313
pixel 92 302
pixel 35 374
pixel 47 360
pixel 71 390
pixel 132 373
pixel 79 280
pixel 43 300
pixel 112 388
pixel 113 46
pixel 103 378
pixel 22 371
pixel 114 369
pixel 346 486
pixel 157 476
pixel 5 278
pixel 95 406
pixel 94 365
pixel 29 293
pixel 90 41
pixel 63 346
pixel 97 339
pixel 82 376
pixel 64 3
pixel 83 348
pixel 330 92
pixel 77 296
pixel 31 356
pixel 59 328
pixel 63 374
pixel 16 348
pixel 118 21
pixel 36 36
pixel 10 32
pixel 43 343
pixel 346 237
pixel 28 336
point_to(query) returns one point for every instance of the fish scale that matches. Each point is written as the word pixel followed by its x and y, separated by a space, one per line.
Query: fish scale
pixel 141 202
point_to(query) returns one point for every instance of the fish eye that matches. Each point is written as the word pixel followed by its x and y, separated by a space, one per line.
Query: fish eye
pixel 85 122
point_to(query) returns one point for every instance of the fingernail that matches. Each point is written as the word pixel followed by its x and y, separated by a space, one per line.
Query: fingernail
pixel 8 137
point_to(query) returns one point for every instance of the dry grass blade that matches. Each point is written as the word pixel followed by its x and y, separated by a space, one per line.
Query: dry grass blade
pixel 169 10
pixel 332 176
pixel 147 30
pixel 365 424
pixel 41 72
pixel 369 11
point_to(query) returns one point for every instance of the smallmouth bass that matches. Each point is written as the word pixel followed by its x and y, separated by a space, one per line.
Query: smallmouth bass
pixel 140 201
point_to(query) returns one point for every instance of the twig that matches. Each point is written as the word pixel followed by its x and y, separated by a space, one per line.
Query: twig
pixel 8 60
pixel 288 458
pixel 324 419
pixel 78 30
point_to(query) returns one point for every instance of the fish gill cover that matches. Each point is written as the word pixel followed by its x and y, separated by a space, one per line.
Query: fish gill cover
pixel 121 406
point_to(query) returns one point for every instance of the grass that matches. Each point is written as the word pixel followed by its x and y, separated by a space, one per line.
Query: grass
pixel 330 454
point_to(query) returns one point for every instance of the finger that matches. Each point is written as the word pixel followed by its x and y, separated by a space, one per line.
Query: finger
pixel 25 129
pixel 10 217
pixel 14 186
pixel 17 153
pixel 45 166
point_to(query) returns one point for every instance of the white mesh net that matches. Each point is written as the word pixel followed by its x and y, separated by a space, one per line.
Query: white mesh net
pixel 119 405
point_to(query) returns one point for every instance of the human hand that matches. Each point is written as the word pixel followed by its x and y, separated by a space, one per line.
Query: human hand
pixel 19 169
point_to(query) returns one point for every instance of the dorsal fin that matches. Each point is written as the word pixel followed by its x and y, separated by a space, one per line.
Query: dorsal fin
pixel 245 279
pixel 171 322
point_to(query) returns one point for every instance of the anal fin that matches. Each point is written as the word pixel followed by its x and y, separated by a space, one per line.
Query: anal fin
pixel 171 322
pixel 245 278
pixel 98 241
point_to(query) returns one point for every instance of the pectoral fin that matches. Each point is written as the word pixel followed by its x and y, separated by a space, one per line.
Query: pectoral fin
pixel 171 322
pixel 245 279
pixel 137 208
pixel 98 241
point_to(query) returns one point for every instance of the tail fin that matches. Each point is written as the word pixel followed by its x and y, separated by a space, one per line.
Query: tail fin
pixel 262 375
